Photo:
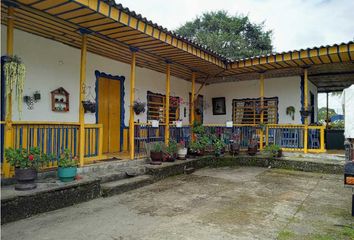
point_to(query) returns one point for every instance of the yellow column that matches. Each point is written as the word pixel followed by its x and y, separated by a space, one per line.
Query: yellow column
pixel 262 112
pixel 192 99
pixel 306 121
pixel 8 117
pixel 167 110
pixel 132 98
pixel 82 97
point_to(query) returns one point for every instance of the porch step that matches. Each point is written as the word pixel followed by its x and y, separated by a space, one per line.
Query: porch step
pixel 125 185
pixel 111 175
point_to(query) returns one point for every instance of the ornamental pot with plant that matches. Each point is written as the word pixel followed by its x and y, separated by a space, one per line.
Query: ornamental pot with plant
pixel 252 147
pixel 88 106
pixel 26 163
pixel 305 113
pixel 181 150
pixel 67 166
pixel 171 151
pixel 274 150
pixel 156 153
pixel 235 144
pixel 139 107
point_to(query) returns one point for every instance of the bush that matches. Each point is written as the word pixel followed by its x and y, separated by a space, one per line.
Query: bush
pixel 21 158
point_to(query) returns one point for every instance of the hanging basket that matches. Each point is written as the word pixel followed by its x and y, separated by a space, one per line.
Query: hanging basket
pixel 305 113
pixel 139 107
pixel 89 107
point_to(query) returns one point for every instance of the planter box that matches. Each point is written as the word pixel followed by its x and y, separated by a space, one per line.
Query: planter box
pixel 335 139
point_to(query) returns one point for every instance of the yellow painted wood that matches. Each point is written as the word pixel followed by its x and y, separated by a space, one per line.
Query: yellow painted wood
pixel 306 108
pixel 125 140
pixel 322 139
pixel 114 116
pixel 192 99
pixel 262 113
pixel 131 111
pixel 8 117
pixel 82 98
pixel 103 111
pixel 167 108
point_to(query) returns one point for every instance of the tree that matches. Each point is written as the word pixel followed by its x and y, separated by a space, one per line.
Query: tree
pixel 232 36
pixel 322 114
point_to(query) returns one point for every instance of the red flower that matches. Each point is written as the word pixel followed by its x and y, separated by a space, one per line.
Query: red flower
pixel 31 157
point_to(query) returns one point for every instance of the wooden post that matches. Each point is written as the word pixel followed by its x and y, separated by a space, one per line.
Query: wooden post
pixel 132 98
pixel 167 110
pixel 262 112
pixel 306 120
pixel 192 99
pixel 82 96
pixel 8 116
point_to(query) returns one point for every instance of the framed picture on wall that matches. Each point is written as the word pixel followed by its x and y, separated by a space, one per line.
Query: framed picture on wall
pixel 219 107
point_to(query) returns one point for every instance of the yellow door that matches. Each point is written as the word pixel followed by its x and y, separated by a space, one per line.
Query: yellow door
pixel 109 113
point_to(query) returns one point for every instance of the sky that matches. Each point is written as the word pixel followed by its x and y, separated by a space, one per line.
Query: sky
pixel 296 24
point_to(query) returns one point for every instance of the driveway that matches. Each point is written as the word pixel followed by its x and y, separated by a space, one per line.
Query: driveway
pixel 221 203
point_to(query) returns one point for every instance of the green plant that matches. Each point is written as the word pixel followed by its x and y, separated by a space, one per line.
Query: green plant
pixel 195 146
pixel 198 128
pixel 14 72
pixel 66 159
pixel 218 145
pixel 157 147
pixel 272 149
pixel 290 111
pixel 172 147
pixel 339 124
pixel 24 159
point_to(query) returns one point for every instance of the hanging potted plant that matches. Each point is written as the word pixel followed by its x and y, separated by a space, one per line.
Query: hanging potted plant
pixel 290 111
pixel 26 165
pixel 14 73
pixel 305 113
pixel 89 106
pixel 139 107
pixel 182 150
pixel 67 166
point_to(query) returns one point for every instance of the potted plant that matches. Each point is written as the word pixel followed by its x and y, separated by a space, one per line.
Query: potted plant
pixel 36 96
pixel 181 150
pixel 139 107
pixel 252 147
pixel 156 153
pixel 219 147
pixel 67 166
pixel 171 151
pixel 274 150
pixel 235 144
pixel 89 106
pixel 305 113
pixel 290 111
pixel 26 164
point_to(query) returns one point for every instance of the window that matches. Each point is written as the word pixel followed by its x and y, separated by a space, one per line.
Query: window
pixel 248 111
pixel 156 104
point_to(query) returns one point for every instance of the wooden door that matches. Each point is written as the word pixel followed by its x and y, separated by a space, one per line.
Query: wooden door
pixel 198 108
pixel 109 110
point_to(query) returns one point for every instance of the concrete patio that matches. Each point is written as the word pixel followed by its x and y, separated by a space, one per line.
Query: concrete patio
pixel 212 203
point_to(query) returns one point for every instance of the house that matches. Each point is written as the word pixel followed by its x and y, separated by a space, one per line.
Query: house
pixel 98 51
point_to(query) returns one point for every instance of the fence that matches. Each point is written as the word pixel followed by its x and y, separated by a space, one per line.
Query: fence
pixel 53 138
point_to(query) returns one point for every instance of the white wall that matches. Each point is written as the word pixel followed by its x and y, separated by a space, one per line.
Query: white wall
pixel 287 89
pixel 50 65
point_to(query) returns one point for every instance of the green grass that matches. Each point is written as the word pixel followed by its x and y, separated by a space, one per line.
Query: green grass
pixel 285 235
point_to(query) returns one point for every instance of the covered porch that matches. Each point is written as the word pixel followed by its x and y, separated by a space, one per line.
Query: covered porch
pixel 111 31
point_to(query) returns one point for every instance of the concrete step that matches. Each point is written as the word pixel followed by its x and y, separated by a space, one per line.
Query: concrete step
pixel 114 175
pixel 125 185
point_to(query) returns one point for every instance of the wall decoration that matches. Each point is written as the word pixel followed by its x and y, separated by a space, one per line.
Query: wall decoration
pixel 219 107
pixel 290 111
pixel 60 100
pixel 30 100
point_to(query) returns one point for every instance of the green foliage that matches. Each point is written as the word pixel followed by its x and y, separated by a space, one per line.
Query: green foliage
pixel 218 145
pixel 339 124
pixel 232 36
pixel 272 149
pixel 21 158
pixel 196 146
pixel 172 147
pixel 157 147
pixel 322 114
pixel 198 128
pixel 66 160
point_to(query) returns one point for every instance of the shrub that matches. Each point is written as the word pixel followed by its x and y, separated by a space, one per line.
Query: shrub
pixel 21 158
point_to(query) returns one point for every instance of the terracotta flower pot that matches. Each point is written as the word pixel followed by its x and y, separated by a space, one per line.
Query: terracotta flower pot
pixel 252 150
pixel 234 148
pixel 25 179
pixel 156 157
